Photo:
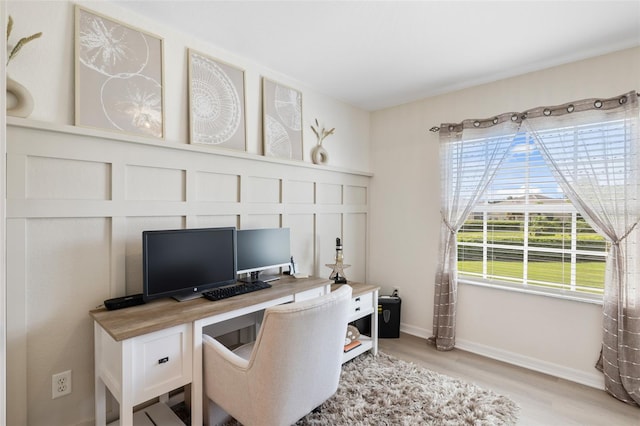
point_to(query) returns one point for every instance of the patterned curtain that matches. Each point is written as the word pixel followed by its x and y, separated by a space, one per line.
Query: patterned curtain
pixel 592 147
pixel 470 154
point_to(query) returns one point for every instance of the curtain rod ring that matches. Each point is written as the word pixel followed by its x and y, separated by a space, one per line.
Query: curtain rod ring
pixel 571 108
pixel 514 117
pixel 622 100
pixel 598 104
pixel 547 112
pixel 495 120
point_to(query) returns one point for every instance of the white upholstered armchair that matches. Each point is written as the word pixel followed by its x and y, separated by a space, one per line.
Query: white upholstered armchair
pixel 293 366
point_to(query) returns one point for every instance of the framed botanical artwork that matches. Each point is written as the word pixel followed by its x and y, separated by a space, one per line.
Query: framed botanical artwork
pixel 216 103
pixel 281 121
pixel 119 76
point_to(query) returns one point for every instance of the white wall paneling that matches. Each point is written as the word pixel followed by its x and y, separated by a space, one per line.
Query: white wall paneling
pixel 329 194
pixel 355 245
pixel 217 187
pixel 3 287
pixel 59 172
pixel 328 227
pixel 78 201
pixel 302 247
pixel 144 183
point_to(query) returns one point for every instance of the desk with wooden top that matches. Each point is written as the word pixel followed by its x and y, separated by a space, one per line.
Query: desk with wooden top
pixel 146 351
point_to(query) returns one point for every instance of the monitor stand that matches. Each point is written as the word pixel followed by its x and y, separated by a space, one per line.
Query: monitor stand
pixel 188 296
pixel 255 276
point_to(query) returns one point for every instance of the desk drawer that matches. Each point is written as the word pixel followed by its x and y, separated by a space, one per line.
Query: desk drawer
pixel 162 361
pixel 361 304
pixel 310 294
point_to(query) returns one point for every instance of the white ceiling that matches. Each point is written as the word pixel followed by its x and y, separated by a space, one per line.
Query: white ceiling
pixel 376 54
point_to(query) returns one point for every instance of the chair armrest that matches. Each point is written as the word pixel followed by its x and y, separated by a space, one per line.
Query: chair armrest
pixel 225 375
pixel 222 354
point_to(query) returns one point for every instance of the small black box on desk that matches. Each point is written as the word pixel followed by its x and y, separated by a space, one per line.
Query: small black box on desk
pixel 389 316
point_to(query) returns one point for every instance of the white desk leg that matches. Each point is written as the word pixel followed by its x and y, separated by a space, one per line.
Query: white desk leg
pixel 126 404
pixel 374 324
pixel 100 402
pixel 197 392
pixel 126 415
pixel 100 388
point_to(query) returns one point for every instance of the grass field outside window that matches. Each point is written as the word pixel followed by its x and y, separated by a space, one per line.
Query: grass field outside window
pixel 564 254
pixel 526 233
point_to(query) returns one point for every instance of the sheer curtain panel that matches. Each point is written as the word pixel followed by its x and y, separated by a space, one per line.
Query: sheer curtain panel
pixel 470 154
pixel 592 148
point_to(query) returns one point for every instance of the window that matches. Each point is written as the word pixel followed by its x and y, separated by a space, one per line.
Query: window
pixel 524 232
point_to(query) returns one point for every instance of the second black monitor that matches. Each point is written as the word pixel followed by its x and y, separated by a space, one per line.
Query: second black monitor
pixel 262 249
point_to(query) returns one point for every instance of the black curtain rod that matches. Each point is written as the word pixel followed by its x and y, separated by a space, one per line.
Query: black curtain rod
pixel 436 129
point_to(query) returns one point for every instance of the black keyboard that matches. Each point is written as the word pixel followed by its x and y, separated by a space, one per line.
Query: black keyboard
pixel 235 290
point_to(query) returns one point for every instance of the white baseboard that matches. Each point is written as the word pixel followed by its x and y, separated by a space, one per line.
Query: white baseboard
pixel 415 331
pixel 594 380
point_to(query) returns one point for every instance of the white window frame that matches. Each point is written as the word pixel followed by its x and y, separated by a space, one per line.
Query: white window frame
pixel 528 286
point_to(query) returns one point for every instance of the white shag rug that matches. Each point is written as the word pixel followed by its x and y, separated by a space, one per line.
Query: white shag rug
pixel 384 390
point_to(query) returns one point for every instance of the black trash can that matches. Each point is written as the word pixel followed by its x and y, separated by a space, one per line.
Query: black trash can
pixel 389 316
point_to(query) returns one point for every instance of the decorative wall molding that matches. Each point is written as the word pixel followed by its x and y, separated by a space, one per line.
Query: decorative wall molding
pixel 79 199
pixel 73 130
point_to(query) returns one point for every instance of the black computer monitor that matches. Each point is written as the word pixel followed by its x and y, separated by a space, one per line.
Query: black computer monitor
pixel 262 249
pixel 182 263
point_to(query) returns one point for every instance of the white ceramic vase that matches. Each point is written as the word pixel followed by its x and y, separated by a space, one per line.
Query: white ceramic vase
pixel 319 155
pixel 19 100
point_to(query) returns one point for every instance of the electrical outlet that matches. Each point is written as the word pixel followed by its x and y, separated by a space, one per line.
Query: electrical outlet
pixel 61 384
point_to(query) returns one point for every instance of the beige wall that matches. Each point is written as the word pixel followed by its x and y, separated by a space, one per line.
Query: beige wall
pixel 556 336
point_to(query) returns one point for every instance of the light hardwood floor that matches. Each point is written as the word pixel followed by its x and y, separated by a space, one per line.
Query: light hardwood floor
pixel 543 399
